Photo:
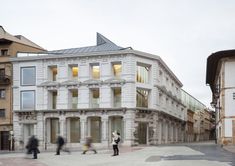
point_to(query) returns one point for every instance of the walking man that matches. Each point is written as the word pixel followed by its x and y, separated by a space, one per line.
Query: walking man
pixel 60 144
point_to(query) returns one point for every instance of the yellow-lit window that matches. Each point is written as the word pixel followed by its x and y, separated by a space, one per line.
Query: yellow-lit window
pixel 53 73
pixel 117 69
pixel 74 72
pixel 95 69
pixel 142 74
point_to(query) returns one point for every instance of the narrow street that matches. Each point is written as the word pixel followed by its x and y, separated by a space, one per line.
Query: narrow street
pixel 198 154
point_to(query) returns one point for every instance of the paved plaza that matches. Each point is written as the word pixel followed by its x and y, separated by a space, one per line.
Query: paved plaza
pixel 199 154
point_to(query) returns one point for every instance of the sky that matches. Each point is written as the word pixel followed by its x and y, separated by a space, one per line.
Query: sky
pixel 182 32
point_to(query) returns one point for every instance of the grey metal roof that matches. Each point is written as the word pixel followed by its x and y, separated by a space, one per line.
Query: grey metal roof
pixel 102 44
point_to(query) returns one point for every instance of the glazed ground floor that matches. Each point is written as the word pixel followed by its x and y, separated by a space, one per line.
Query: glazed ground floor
pixel 136 127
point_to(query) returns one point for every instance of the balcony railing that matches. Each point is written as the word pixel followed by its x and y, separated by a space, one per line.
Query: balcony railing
pixel 5 80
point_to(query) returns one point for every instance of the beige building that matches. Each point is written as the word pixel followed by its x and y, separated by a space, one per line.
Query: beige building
pixel 220 78
pixel 9 46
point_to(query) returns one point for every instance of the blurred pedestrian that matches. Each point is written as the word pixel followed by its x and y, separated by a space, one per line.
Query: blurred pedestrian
pixel 115 140
pixel 88 146
pixel 32 147
pixel 61 145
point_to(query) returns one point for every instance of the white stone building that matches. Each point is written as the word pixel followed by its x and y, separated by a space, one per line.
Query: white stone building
pixel 220 77
pixel 92 91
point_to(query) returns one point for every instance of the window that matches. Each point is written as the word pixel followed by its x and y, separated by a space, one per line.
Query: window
pixel 95 128
pixel 117 70
pixel 28 76
pixel 2 72
pixel 142 74
pixel 74 97
pixel 142 98
pixel 95 71
pixel 4 52
pixel 52 73
pixel 27 100
pixel 55 129
pixel 117 97
pixel 74 72
pixel 2 93
pixel 95 97
pixel 2 113
pixel 54 99
pixel 74 130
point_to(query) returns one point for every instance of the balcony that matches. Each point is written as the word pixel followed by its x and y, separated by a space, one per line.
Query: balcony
pixel 5 80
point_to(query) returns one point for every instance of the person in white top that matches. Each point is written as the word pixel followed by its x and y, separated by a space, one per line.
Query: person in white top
pixel 115 141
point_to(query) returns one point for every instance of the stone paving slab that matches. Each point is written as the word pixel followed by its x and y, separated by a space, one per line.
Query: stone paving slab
pixel 194 155
pixel 19 161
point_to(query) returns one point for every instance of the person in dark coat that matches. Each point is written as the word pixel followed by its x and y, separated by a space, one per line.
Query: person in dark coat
pixel 60 144
pixel 32 146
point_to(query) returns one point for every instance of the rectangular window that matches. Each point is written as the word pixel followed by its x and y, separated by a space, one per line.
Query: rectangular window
pixel 55 129
pixel 74 130
pixel 27 100
pixel 74 72
pixel 117 97
pixel 233 96
pixel 2 93
pixel 2 72
pixel 28 76
pixel 52 73
pixel 117 70
pixel 95 71
pixel 54 100
pixel 4 52
pixel 142 97
pixel 95 98
pixel 142 74
pixel 74 95
pixel 2 113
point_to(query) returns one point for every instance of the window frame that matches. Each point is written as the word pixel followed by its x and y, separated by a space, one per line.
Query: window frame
pixel 4 50
pixel 148 97
pixel 71 66
pixel 112 66
pixel 21 99
pixel 4 97
pixel 91 70
pixel 21 75
pixel 91 98
pixel 4 113
pixel 148 69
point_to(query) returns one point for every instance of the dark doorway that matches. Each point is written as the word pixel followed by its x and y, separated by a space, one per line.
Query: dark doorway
pixel 142 133
pixel 4 140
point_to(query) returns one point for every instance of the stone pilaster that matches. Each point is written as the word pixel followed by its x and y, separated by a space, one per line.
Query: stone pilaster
pixel 104 120
pixel 83 124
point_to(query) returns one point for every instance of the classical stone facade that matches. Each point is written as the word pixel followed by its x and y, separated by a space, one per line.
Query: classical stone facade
pixel 93 91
